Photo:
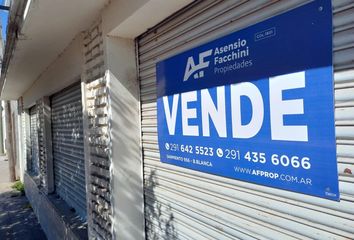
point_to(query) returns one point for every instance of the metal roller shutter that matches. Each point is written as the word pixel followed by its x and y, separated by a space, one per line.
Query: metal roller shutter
pixel 185 204
pixel 68 148
pixel 34 141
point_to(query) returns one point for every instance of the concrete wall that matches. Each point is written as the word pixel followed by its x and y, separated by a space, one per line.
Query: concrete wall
pixel 50 223
pixel 117 12
pixel 122 21
pixel 49 216
pixel 20 144
pixel 17 138
pixel 129 19
pixel 65 70
pixel 15 143
pixel 3 125
pixel 127 177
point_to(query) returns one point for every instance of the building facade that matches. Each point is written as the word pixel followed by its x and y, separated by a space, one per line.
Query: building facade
pixel 84 77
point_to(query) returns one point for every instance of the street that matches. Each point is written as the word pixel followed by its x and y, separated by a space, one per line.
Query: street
pixel 17 219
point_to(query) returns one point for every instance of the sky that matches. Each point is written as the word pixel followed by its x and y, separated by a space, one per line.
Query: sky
pixel 3 18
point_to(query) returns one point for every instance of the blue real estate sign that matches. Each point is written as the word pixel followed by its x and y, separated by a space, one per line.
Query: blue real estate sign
pixel 256 105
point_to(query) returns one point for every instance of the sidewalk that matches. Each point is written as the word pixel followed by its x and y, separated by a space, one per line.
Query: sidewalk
pixel 17 220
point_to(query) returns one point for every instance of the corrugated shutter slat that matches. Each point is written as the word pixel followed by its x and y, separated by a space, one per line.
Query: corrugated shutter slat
pixel 68 148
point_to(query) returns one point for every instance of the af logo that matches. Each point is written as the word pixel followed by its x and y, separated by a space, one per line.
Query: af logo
pixel 192 68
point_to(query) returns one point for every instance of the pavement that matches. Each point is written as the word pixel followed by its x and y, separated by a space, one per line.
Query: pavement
pixel 17 219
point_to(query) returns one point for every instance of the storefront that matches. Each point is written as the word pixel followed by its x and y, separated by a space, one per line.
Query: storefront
pixel 209 120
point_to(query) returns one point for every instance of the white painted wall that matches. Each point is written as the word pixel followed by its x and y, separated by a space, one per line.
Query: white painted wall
pixel 127 177
pixel 129 19
pixel 3 125
pixel 117 12
pixel 122 21
pixel 65 70
pixel 21 156
pixel 16 126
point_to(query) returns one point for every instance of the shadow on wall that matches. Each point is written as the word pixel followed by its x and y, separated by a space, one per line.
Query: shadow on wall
pixel 159 219
pixel 126 160
pixel 127 180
